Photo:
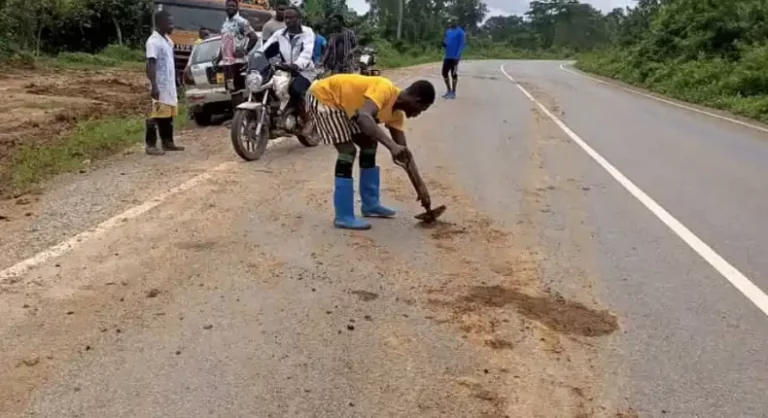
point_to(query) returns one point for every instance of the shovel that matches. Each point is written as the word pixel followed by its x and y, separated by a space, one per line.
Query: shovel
pixel 430 215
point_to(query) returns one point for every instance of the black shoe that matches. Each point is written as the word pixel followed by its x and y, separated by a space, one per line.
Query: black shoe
pixel 154 151
pixel 172 147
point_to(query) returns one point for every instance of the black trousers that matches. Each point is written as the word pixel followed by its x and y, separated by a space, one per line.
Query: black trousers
pixel 298 89
pixel 163 126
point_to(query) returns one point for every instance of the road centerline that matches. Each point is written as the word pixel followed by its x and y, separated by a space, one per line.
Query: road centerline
pixel 726 269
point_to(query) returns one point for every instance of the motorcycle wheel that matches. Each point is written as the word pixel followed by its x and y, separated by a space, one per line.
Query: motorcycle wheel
pixel 308 141
pixel 243 129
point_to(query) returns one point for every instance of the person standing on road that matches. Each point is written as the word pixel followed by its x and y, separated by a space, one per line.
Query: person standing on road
pixel 277 22
pixel 347 109
pixel 320 44
pixel 162 79
pixel 342 44
pixel 454 42
pixel 237 39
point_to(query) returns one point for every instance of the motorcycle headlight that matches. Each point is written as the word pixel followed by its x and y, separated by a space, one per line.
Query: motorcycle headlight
pixel 253 81
pixel 365 59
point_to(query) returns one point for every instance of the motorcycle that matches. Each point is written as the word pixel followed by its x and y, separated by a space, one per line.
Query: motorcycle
pixel 267 112
pixel 367 62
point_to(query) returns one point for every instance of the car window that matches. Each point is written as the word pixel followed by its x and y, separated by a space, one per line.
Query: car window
pixel 205 51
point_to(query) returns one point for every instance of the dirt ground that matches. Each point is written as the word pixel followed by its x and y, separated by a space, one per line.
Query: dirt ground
pixel 40 107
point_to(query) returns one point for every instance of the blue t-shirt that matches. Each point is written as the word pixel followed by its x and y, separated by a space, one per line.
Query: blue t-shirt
pixel 320 44
pixel 454 43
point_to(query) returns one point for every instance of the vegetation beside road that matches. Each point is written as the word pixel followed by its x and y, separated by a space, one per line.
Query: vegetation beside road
pixel 709 53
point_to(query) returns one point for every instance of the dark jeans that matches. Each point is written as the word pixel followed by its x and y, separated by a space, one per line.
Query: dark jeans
pixel 298 89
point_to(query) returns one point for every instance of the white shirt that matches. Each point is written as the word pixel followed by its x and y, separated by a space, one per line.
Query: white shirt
pixel 295 49
pixel 160 48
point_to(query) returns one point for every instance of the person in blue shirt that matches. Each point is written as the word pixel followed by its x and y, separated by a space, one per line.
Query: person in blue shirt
pixel 320 43
pixel 454 42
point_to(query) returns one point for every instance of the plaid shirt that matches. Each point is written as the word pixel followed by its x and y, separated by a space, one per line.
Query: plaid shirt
pixel 338 54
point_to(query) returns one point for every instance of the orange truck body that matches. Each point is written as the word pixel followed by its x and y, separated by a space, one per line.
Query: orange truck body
pixel 190 15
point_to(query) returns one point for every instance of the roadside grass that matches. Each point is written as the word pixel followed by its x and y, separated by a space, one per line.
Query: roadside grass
pixel 113 56
pixel 734 86
pixel 89 141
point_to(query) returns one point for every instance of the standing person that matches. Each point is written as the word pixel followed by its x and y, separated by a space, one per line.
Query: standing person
pixel 347 109
pixel 455 39
pixel 295 45
pixel 342 44
pixel 202 35
pixel 237 39
pixel 162 79
pixel 277 22
pixel 320 44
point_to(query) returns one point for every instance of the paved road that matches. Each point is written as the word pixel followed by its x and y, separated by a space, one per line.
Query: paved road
pixel 549 290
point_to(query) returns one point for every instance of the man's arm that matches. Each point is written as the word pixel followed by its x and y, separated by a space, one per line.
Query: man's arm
pixel 152 76
pixel 398 136
pixel 353 41
pixel 151 55
pixel 462 43
pixel 366 120
pixel 308 48
pixel 269 41
pixel 253 39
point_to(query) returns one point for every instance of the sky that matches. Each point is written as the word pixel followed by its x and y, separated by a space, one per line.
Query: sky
pixel 508 7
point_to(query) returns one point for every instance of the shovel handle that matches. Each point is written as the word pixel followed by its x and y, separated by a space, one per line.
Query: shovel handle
pixel 418 184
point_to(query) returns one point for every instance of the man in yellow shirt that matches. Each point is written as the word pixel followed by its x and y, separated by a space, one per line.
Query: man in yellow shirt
pixel 347 109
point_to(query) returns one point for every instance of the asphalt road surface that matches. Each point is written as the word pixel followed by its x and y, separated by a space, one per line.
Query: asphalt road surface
pixel 209 287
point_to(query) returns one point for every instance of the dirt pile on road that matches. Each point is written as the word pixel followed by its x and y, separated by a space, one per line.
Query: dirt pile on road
pixel 40 108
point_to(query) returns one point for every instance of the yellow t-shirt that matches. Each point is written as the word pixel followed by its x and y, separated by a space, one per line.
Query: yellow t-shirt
pixel 349 92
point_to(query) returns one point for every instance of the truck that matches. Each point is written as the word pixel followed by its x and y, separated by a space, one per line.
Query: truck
pixel 191 15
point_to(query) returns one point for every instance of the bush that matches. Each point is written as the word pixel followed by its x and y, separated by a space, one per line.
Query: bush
pixel 739 86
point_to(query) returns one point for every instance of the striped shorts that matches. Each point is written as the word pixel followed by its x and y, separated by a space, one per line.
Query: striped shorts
pixel 333 126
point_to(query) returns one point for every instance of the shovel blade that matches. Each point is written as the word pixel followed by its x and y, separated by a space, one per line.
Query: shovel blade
pixel 431 215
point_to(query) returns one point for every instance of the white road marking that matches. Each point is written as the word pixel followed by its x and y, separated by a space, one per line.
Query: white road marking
pixel 731 273
pixel 102 228
pixel 669 102
pixel 80 239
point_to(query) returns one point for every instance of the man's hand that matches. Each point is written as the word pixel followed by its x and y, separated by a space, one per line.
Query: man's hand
pixel 154 93
pixel 401 155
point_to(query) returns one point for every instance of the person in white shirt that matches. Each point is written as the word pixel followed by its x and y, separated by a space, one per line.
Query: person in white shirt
pixel 162 79
pixel 295 45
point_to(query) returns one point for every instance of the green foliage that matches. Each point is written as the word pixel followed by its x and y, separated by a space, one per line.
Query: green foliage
pixel 712 52
pixel 90 140
pixel 53 26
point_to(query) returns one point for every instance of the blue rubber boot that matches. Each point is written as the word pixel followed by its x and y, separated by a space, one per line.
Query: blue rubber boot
pixel 370 183
pixel 344 205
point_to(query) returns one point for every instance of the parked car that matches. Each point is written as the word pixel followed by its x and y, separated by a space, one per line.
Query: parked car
pixel 204 89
